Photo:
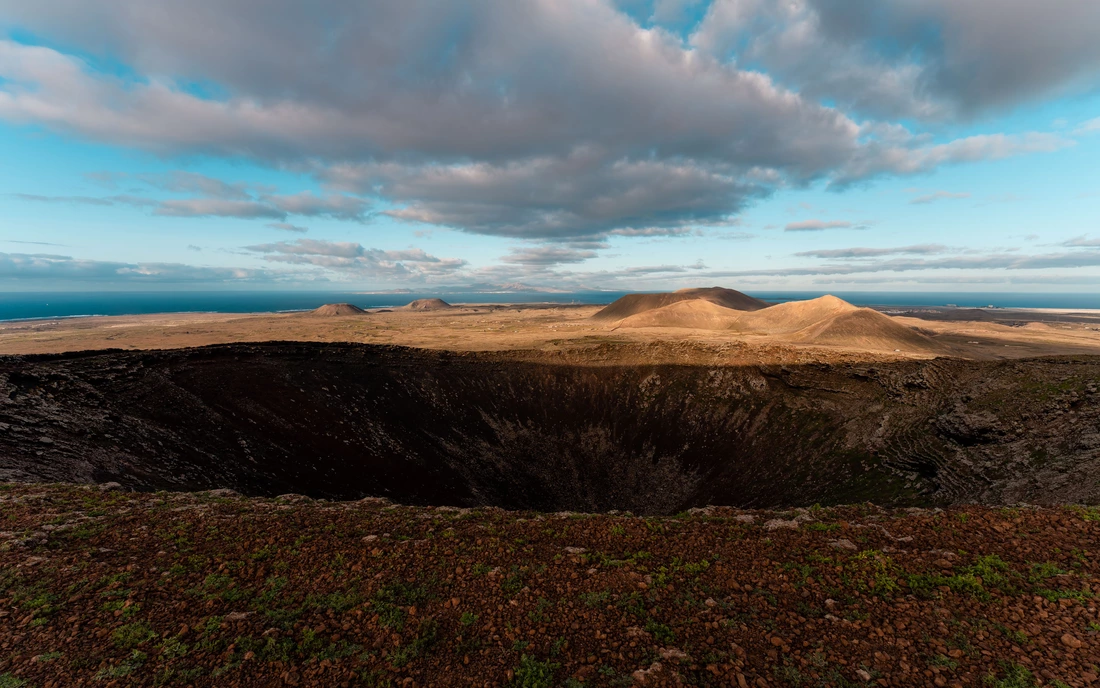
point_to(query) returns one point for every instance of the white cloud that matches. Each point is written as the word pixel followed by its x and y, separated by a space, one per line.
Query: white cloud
pixel 819 225
pixel 937 196
pixel 354 260
pixel 538 120
pixel 54 269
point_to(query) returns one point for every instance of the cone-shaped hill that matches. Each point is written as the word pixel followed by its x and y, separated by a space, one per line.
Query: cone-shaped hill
pixel 633 304
pixel 334 309
pixel 429 305
pixel 697 314
pixel 825 321
pixel 792 316
pixel 864 329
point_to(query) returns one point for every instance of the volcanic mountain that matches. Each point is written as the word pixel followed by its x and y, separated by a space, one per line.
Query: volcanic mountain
pixel 696 314
pixel 331 309
pixel 786 318
pixel 429 305
pixel 826 321
pixel 632 304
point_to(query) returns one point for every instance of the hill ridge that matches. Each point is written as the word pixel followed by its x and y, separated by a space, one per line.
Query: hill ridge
pixel 633 304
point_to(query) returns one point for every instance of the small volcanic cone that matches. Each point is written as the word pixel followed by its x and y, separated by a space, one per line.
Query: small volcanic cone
pixel 429 305
pixel 331 309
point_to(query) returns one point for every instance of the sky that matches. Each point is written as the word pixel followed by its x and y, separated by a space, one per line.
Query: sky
pixel 845 145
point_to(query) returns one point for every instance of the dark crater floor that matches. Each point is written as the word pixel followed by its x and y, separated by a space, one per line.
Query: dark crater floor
pixel 420 427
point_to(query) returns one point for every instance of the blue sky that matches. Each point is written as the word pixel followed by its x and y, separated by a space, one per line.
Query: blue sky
pixel 578 144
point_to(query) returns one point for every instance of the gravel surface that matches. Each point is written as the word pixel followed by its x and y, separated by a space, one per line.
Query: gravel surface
pixel 101 587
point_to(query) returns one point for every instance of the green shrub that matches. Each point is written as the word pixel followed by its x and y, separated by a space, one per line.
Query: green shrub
pixel 531 673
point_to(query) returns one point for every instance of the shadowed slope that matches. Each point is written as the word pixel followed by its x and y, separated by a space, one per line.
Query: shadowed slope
pixel 347 421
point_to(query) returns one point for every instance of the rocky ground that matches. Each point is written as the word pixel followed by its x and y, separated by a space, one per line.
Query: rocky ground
pixel 105 587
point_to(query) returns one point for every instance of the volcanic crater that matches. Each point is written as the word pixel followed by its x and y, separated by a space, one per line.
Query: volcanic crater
pixel 620 428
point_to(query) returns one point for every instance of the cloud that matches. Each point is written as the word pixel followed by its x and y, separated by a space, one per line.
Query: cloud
pixel 921 249
pixel 884 158
pixel 1083 241
pixel 190 182
pixel 936 196
pixel 996 261
pixel 306 204
pixel 52 269
pixel 547 255
pixel 353 259
pixel 584 193
pixel 654 232
pixel 819 225
pixel 927 59
pixel 287 227
pixel 217 207
pixel 34 243
pixel 1090 127
pixel 589 124
pixel 225 200
pixel 77 200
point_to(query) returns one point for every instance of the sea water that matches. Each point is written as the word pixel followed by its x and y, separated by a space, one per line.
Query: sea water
pixel 25 305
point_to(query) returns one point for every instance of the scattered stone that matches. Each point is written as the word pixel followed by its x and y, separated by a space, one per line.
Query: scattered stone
pixel 777 523
pixel 292 498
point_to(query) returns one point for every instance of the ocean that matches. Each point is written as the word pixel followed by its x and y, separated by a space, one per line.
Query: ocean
pixel 27 305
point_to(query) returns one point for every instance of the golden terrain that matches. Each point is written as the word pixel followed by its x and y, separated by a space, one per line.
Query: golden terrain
pixel 915 333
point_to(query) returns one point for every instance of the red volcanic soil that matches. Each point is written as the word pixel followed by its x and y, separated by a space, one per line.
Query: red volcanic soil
pixel 212 589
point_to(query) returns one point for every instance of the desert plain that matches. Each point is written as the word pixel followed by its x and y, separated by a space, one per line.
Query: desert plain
pixel 971 333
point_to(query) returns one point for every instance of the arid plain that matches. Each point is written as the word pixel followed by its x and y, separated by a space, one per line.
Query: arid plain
pixel 980 334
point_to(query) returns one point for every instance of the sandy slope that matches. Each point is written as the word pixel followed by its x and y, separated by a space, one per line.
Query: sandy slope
pixel 694 314
pixel 787 318
pixel 864 328
pixel 632 304
pixel 337 309
pixel 825 321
